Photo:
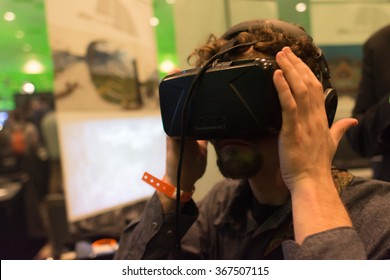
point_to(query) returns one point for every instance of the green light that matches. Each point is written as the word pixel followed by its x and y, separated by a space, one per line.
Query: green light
pixel 165 37
pixel 24 49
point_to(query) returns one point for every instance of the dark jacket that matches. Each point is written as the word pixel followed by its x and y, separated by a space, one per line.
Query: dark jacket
pixel 228 225
pixel 371 138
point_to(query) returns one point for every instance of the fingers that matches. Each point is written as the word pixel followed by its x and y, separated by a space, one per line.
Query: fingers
pixel 300 92
pixel 287 101
pixel 193 164
pixel 296 71
pixel 339 128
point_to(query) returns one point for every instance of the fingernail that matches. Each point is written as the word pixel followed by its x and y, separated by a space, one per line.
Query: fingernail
pixel 287 50
pixel 281 54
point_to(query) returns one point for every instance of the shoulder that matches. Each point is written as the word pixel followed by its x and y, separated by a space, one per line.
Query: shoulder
pixel 354 187
pixel 379 39
pixel 383 31
pixel 363 190
pixel 368 204
pixel 363 195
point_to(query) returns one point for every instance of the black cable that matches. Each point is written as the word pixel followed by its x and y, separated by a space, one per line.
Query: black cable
pixel 184 127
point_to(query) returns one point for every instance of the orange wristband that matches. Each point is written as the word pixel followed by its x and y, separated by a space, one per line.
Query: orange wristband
pixel 165 188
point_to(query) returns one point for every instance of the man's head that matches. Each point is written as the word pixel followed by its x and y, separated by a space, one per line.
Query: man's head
pixel 244 158
pixel 231 92
pixel 269 37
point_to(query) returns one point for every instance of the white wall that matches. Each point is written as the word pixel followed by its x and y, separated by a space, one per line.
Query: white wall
pixel 195 20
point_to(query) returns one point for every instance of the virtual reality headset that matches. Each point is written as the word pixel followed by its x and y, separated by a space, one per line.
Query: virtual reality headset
pixel 231 99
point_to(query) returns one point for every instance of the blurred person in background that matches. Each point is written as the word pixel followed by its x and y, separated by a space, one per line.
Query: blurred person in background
pixel 23 136
pixel 371 137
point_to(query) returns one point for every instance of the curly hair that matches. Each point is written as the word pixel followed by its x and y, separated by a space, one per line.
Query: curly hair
pixel 269 41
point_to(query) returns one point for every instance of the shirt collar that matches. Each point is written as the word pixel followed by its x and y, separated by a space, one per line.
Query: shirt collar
pixel 237 215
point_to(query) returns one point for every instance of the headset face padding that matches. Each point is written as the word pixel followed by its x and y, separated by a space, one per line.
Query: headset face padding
pixel 330 94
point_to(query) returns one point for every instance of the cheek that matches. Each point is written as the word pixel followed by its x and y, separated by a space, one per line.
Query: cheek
pixel 268 148
pixel 268 144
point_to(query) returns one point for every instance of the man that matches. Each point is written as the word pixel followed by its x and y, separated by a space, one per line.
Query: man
pixel 282 200
pixel 371 138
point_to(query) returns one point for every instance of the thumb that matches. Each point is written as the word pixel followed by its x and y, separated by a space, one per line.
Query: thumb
pixel 339 128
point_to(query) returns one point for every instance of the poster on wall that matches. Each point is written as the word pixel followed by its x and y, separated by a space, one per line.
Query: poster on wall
pixel 347 22
pixel 104 54
pixel 106 81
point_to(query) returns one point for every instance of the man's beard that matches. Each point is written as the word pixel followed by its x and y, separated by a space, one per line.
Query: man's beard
pixel 238 163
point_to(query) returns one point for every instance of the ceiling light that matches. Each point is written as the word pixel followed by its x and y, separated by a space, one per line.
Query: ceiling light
pixel 301 7
pixel 167 66
pixel 9 16
pixel 154 21
pixel 28 88
pixel 33 66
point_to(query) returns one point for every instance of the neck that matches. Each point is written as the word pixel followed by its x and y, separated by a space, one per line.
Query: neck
pixel 268 187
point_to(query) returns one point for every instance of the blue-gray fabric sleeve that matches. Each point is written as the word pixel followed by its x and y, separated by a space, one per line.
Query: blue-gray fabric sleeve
pixel 341 243
pixel 153 235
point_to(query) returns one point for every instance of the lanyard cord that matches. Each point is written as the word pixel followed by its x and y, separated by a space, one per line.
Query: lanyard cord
pixel 184 127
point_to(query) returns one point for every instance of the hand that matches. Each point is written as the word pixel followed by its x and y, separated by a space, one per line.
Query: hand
pixel 306 149
pixel 194 164
pixel 306 144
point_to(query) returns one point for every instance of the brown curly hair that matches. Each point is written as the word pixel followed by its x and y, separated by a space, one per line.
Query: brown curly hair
pixel 268 41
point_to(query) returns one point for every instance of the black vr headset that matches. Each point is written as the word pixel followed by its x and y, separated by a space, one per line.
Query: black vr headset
pixel 232 99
